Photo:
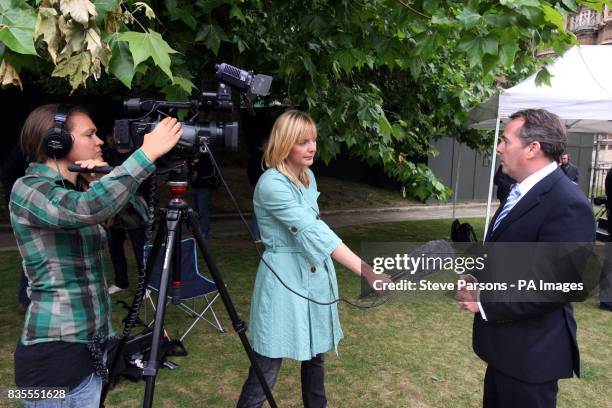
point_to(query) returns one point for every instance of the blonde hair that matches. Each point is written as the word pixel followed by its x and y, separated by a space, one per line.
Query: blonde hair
pixel 288 130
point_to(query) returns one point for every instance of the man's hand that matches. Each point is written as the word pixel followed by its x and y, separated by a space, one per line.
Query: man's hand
pixel 90 164
pixel 163 138
pixel 469 306
pixel 468 298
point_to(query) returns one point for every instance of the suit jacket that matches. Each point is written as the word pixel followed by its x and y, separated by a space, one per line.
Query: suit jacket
pixel 536 342
pixel 608 186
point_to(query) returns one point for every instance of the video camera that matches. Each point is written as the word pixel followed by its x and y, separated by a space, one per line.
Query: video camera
pixel 197 136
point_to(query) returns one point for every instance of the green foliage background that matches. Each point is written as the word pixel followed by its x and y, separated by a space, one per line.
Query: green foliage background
pixel 382 78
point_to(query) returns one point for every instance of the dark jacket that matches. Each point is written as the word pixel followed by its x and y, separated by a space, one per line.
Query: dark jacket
pixel 504 184
pixel 608 185
pixel 535 342
pixel 571 172
pixel 204 174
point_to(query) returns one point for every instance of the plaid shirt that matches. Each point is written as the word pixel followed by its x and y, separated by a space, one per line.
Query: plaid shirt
pixel 62 246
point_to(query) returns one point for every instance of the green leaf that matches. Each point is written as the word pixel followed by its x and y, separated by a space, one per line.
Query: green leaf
pixel 553 16
pixel 570 5
pixel 595 4
pixel 183 83
pixel 121 63
pixel 17 23
pixel 431 6
pixel 469 18
pixel 507 52
pixel 174 92
pixel 416 65
pixel 236 13
pixel 441 20
pixel 468 42
pixel 488 63
pixel 530 3
pixel 384 125
pixel 212 35
pixel 475 55
pixel 346 60
pixel 426 45
pixel 149 45
pixel 489 45
pixel 543 77
pixel 534 14
pixel 497 20
pixel 105 6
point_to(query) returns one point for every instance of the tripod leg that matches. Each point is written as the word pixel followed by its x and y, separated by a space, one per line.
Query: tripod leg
pixel 239 326
pixel 135 307
pixel 173 219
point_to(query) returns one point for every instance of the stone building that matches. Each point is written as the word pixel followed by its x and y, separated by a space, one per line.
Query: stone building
pixel 590 26
pixel 595 28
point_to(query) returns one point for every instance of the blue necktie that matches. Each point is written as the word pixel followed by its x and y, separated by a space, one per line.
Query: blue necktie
pixel 513 198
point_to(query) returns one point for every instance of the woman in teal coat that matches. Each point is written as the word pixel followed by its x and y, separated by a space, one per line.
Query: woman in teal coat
pixel 299 247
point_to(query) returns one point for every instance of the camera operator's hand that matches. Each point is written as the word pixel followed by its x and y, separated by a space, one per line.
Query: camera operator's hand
pixel 90 164
pixel 164 136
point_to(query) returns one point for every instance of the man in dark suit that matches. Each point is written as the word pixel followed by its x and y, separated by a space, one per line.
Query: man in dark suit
pixel 528 346
pixel 605 285
pixel 568 168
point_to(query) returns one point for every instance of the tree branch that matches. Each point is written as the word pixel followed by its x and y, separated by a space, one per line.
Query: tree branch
pixel 412 9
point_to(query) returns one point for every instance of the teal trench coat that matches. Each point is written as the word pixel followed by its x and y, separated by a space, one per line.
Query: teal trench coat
pixel 298 247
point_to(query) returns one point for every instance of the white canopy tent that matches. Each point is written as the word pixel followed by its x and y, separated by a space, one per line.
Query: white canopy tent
pixel 580 93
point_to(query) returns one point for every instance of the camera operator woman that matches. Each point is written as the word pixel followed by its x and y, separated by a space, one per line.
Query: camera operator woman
pixel 300 248
pixel 56 216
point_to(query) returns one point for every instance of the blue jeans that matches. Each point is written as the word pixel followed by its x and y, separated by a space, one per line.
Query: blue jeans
pixel 201 204
pixel 85 395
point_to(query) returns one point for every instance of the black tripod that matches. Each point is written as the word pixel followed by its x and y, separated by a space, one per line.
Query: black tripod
pixel 174 214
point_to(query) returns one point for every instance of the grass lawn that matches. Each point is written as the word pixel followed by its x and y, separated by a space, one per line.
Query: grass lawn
pixel 398 355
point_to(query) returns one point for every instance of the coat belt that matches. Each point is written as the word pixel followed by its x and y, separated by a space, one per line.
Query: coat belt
pixel 284 249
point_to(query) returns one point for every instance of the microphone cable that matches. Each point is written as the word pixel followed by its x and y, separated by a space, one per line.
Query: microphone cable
pixel 373 304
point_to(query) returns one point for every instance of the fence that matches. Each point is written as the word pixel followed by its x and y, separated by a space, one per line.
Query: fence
pixel 598 179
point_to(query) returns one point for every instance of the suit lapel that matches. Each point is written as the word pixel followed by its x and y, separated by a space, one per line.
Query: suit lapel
pixel 526 203
pixel 492 223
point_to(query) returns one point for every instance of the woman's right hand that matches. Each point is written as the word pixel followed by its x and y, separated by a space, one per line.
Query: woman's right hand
pixel 162 138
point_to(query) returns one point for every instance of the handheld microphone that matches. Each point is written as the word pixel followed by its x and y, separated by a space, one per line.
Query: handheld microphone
pixel 78 169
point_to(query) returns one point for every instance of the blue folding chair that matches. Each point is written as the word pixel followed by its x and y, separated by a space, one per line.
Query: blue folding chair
pixel 193 286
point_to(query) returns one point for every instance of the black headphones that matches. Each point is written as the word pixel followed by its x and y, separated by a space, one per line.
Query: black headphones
pixel 58 141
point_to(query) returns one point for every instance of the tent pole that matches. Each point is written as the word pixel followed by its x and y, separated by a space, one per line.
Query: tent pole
pixel 457 179
pixel 594 167
pixel 493 160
